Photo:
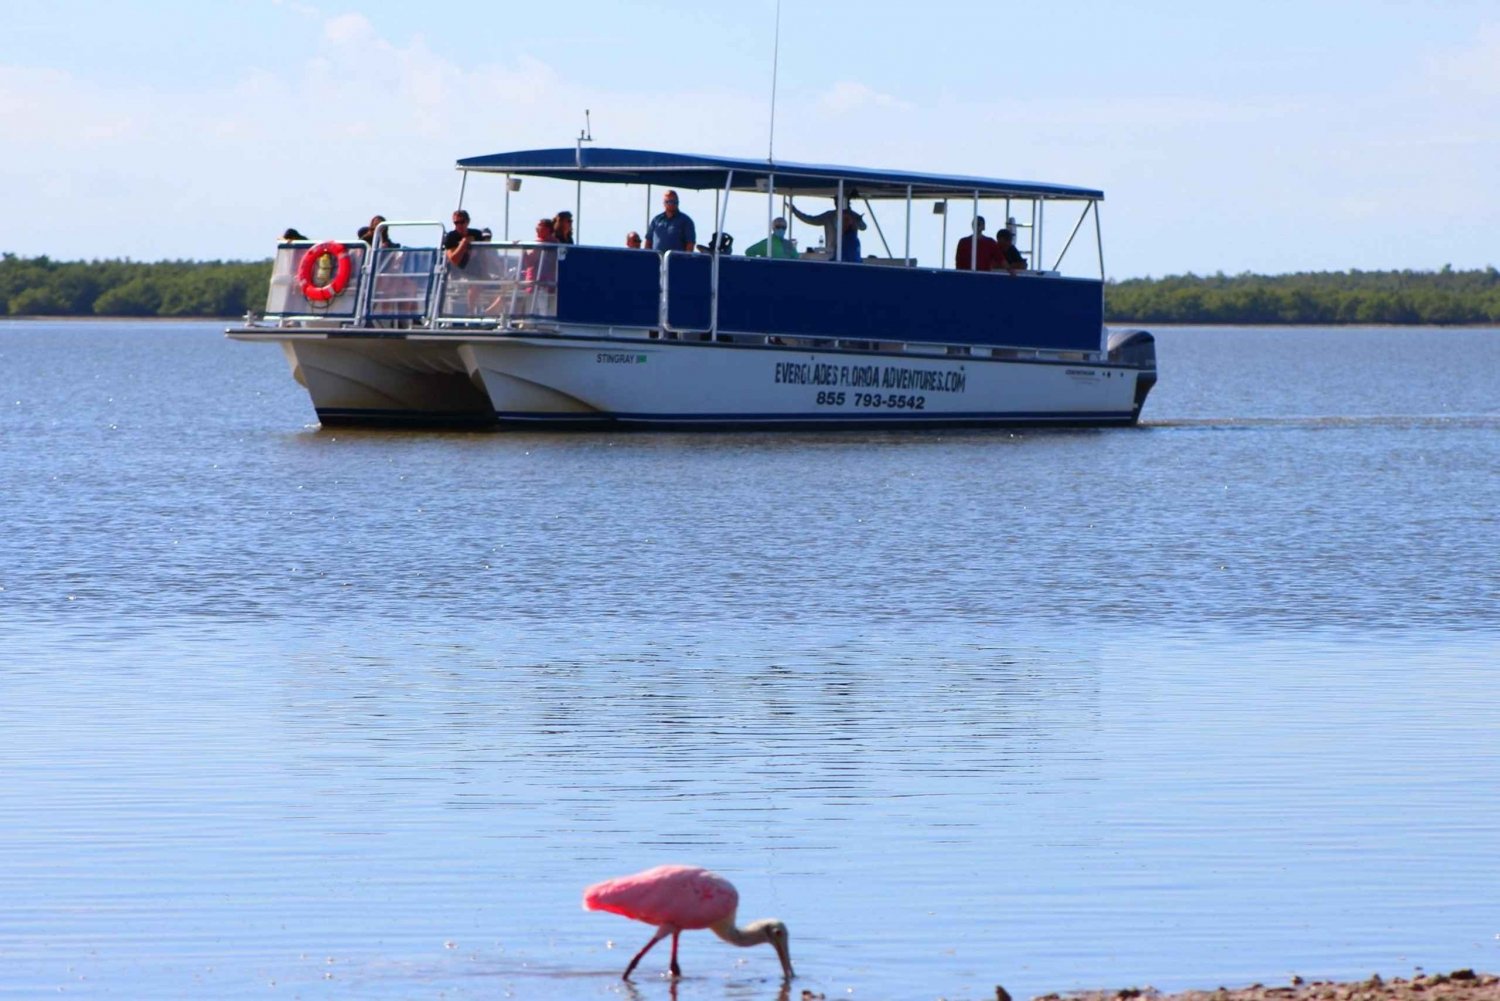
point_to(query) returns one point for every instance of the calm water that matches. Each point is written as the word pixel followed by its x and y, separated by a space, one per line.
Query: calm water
pixel 287 712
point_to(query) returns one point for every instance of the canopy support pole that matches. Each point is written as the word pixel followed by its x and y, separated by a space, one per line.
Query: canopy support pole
pixel 1041 218
pixel 878 231
pixel 838 225
pixel 1081 216
pixel 906 253
pixel 943 250
pixel 770 211
pixel 974 235
pixel 713 318
pixel 1099 240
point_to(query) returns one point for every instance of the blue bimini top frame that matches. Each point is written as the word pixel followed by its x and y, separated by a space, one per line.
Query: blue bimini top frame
pixel 686 170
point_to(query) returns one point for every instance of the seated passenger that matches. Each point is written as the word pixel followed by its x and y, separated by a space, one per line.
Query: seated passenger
pixel 633 240
pixel 458 240
pixel 853 223
pixel 775 245
pixel 539 273
pixel 1008 256
pixel 986 257
pixel 367 234
pixel 538 265
pixel 562 227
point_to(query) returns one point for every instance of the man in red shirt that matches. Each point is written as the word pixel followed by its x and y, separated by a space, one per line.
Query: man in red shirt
pixel 988 257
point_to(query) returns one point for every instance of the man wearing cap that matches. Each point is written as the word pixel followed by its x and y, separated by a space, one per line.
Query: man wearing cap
pixel 671 229
pixel 776 245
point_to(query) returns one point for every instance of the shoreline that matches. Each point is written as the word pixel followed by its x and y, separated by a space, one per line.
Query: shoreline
pixel 1458 985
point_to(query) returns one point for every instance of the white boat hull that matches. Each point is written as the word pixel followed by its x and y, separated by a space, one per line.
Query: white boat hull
pixel 684 383
pixel 582 381
pixel 386 380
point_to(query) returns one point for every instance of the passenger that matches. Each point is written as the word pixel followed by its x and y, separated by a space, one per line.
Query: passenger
pixel 292 236
pixel 367 234
pixel 539 272
pixel 853 223
pixel 671 229
pixel 562 227
pixel 988 257
pixel 775 245
pixel 633 240
pixel 538 265
pixel 461 238
pixel 1007 256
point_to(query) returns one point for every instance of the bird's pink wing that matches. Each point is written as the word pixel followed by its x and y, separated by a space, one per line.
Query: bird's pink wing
pixel 680 895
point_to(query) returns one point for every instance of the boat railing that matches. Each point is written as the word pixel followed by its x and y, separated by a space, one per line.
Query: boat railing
pixel 618 292
pixel 859 305
pixel 401 276
pixel 285 298
pixel 502 284
pixel 401 281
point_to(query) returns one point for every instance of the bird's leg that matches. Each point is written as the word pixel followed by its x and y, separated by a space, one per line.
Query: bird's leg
pixel 676 970
pixel 661 933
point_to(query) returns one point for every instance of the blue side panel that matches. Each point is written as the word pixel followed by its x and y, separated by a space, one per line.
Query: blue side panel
pixel 608 286
pixel 688 299
pixel 864 302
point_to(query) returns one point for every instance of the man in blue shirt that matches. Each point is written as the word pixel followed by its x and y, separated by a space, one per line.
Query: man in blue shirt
pixel 671 230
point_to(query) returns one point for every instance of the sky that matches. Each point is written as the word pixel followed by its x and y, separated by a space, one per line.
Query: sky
pixel 1272 136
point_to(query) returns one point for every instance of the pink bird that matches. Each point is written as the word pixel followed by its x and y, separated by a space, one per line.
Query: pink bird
pixel 678 898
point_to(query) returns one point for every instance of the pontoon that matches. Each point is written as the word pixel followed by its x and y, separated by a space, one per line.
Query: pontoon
pixel 543 335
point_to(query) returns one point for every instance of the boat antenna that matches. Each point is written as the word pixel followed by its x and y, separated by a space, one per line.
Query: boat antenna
pixel 585 135
pixel 775 61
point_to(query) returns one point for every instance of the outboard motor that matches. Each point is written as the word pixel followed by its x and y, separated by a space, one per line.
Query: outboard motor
pixel 1136 348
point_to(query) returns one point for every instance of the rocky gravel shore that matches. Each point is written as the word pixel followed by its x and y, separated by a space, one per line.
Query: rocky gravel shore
pixel 1460 985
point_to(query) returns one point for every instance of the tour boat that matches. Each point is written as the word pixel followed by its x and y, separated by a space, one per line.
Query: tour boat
pixel 571 336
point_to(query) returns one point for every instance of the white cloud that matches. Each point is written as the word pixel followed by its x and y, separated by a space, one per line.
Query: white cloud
pixel 1474 68
pixel 848 95
pixel 352 122
pixel 352 29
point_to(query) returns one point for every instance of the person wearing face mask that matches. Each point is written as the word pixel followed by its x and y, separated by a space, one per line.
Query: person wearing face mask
pixel 775 245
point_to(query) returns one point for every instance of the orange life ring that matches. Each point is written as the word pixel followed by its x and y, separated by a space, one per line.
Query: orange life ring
pixel 310 289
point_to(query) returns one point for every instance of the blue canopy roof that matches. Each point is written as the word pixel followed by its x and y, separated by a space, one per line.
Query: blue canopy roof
pixel 686 170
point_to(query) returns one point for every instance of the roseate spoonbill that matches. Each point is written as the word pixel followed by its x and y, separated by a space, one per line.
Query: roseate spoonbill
pixel 678 898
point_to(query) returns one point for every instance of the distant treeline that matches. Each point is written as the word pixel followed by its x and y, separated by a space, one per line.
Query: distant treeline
pixel 1314 298
pixel 38 286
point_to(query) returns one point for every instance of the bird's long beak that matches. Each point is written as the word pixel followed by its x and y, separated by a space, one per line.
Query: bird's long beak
pixel 784 955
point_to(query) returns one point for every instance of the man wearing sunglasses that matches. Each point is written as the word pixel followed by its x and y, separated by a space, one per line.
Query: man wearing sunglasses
pixel 671 229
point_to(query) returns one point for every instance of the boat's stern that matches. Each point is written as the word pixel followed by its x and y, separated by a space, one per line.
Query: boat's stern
pixel 1136 348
